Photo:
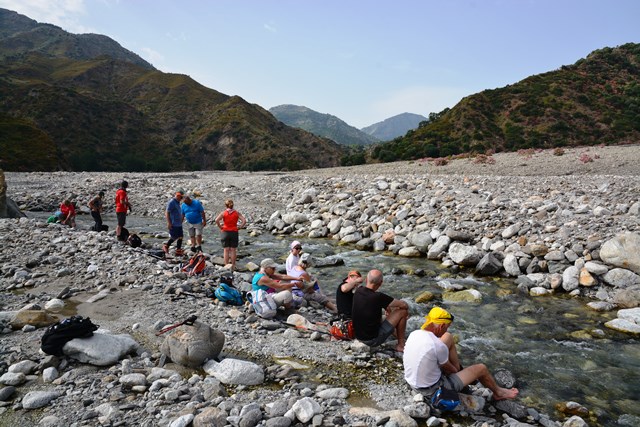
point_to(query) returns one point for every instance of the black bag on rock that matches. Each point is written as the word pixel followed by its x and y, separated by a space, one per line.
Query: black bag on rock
pixel 58 334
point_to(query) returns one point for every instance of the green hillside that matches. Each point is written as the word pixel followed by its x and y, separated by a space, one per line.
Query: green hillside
pixel 98 108
pixel 594 101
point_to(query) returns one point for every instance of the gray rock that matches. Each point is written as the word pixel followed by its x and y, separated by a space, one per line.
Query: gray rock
pixel 210 417
pixel 191 345
pixel 575 421
pixel 512 408
pixel 26 367
pixel 182 421
pixel 570 279
pixel 13 378
pixel 6 393
pixel 278 422
pixel 511 265
pixel 464 255
pixel 439 248
pixel 333 393
pixel 489 265
pixel 100 349
pixel 234 371
pixel 39 399
pixel 621 278
pixel 305 409
pixel 622 251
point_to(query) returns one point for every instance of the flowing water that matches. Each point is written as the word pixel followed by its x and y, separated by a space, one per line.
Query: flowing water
pixel 558 349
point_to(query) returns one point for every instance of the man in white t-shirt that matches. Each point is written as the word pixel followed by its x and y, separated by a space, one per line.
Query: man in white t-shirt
pixel 430 360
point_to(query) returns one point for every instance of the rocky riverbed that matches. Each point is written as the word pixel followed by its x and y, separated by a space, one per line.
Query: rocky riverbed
pixel 555 224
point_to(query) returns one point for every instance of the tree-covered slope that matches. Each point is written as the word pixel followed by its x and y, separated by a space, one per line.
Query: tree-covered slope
pixel 394 127
pixel 594 101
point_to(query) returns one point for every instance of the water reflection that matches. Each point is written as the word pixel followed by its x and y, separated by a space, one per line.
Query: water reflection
pixel 558 349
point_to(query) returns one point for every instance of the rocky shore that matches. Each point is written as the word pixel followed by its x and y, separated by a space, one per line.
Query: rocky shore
pixel 556 224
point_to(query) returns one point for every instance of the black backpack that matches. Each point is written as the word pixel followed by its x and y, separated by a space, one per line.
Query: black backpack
pixel 134 241
pixel 58 334
pixel 124 235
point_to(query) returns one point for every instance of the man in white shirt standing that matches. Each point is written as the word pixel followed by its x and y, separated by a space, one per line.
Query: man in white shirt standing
pixel 430 360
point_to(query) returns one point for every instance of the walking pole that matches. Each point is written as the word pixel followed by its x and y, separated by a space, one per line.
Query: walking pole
pixel 188 321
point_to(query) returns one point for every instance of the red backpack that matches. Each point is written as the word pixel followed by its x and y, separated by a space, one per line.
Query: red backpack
pixel 196 265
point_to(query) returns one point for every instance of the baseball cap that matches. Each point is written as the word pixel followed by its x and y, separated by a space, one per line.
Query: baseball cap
pixel 268 262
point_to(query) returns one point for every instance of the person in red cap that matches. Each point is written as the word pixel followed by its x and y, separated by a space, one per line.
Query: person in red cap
pixel 431 361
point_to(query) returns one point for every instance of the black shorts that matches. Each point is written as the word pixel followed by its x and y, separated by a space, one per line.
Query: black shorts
pixel 122 218
pixel 229 239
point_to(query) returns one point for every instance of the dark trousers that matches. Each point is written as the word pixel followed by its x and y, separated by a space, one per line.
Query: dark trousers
pixel 98 219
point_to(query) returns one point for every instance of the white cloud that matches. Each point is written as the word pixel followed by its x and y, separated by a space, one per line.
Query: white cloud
pixel 270 27
pixel 419 100
pixel 154 57
pixel 63 13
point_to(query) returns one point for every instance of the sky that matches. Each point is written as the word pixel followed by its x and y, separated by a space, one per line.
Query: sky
pixel 360 60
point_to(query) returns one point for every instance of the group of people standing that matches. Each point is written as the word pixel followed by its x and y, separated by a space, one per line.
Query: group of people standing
pixel 182 207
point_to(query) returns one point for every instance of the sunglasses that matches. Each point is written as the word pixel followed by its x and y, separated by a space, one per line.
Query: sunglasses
pixel 354 275
pixel 298 247
pixel 450 317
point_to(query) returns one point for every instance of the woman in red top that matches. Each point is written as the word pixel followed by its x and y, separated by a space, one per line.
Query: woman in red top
pixel 227 221
pixel 68 216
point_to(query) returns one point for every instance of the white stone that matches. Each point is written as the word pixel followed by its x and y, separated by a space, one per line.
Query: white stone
pixel 38 399
pixel 100 349
pixel 234 371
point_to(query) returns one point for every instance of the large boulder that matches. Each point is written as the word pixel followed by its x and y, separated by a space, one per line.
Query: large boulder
pixel 489 265
pixel 37 318
pixel 192 345
pixel 439 248
pixel 622 251
pixel 100 349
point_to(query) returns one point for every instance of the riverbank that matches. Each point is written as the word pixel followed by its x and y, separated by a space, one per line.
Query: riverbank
pixel 480 202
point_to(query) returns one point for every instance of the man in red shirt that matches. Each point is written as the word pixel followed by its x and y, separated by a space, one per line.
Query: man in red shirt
pixel 122 205
pixel 68 216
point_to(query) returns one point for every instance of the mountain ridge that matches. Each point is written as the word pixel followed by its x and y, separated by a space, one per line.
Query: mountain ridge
pixel 321 124
pixel 93 110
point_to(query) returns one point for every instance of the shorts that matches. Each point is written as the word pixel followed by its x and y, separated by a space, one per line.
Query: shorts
pixel 122 218
pixel 229 239
pixel 283 297
pixel 450 382
pixel 385 330
pixel 176 232
pixel 316 296
pixel 195 229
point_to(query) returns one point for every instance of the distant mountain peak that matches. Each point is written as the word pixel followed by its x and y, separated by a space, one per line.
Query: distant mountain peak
pixel 320 124
pixel 395 126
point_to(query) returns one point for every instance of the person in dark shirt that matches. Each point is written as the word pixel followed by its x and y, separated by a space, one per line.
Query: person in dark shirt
pixel 344 293
pixel 368 304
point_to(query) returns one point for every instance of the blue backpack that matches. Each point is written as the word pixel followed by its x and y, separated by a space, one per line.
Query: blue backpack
pixel 229 295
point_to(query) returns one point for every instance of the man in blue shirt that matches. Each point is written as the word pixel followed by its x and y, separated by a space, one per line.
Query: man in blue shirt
pixel 173 214
pixel 193 212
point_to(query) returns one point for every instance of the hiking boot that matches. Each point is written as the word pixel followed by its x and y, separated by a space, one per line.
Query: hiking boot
pixel 194 249
pixel 165 249
pixel 179 252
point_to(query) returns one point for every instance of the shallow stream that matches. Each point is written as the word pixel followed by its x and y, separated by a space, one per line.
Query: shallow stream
pixel 558 348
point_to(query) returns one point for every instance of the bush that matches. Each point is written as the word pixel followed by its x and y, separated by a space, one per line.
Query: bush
pixel 440 161
pixel 558 151
pixel 585 158
pixel 483 159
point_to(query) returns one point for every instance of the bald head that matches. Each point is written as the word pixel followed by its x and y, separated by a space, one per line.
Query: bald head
pixel 374 279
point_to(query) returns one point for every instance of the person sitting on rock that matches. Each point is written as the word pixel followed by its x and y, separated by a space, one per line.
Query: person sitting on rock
pixel 308 288
pixel 430 360
pixel 294 256
pixel 68 213
pixel 344 293
pixel 368 304
pixel 268 280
